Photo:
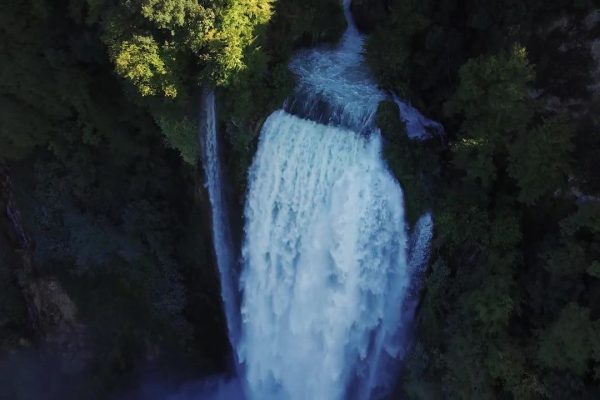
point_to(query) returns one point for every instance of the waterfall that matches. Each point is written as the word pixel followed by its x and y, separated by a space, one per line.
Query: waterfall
pixel 324 255
pixel 418 127
pixel 222 239
pixel 329 273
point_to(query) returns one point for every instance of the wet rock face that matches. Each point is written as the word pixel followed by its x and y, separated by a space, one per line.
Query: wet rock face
pixel 368 14
pixel 63 333
pixel 51 312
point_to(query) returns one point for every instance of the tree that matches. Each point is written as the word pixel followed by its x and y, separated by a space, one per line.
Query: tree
pixel 185 39
pixel 167 48
pixel 493 103
pixel 389 48
pixel 540 159
pixel 570 342
pixel 238 22
pixel 139 60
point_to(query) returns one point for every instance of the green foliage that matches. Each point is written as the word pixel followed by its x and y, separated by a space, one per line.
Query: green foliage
pixel 423 64
pixel 18 135
pixel 492 99
pixel 152 43
pixel 112 211
pixel 138 60
pixel 571 341
pixel 180 133
pixel 166 14
pixel 586 221
pixel 237 23
pixel 540 160
pixel 506 233
pixel 508 365
pixel 389 47
pixel 167 48
pixel 30 112
pixel 155 42
pixel 494 87
pixel 594 269
pixel 567 258
pixel 516 243
pixel 461 223
pixel 472 379
pixel 492 303
pixel 577 249
pixel 303 23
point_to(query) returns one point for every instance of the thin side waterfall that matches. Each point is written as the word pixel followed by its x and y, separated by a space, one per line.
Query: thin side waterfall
pixel 222 239
pixel 418 127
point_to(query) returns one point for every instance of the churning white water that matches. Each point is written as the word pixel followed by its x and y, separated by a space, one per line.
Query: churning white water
pixel 334 86
pixel 327 284
pixel 324 259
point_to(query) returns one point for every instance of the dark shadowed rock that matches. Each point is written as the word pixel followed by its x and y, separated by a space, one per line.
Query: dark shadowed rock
pixel 368 14
pixel 52 313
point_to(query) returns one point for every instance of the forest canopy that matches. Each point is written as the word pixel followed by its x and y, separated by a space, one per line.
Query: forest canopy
pixel 510 308
pixel 99 142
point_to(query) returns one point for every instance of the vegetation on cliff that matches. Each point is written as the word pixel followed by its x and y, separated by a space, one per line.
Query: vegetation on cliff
pixel 510 308
pixel 98 135
pixel 113 214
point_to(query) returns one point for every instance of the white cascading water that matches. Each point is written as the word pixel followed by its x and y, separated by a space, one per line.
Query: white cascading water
pixel 222 239
pixel 329 281
pixel 324 256
pixel 418 127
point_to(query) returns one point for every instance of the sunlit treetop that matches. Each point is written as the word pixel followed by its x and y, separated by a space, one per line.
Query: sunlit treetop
pixel 155 44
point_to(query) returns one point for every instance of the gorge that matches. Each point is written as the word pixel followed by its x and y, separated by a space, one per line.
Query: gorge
pixel 236 199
